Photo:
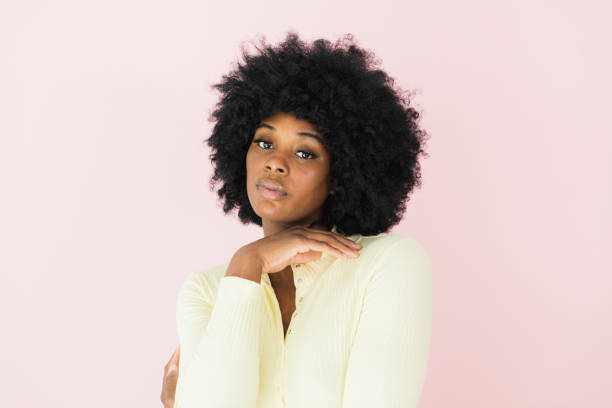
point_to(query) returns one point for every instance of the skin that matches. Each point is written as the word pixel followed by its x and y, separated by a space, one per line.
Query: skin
pixel 301 164
pixel 170 379
pixel 281 152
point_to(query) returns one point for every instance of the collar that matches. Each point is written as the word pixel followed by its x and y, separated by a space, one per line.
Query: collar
pixel 304 274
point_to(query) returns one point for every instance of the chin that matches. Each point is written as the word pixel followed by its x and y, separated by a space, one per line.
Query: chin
pixel 283 217
pixel 275 216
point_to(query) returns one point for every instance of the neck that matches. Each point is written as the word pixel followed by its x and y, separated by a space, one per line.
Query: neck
pixel 272 227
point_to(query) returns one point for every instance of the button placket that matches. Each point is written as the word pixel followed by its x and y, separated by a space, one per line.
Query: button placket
pixel 298 283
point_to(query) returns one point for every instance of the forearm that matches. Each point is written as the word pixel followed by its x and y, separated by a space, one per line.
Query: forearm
pixel 223 369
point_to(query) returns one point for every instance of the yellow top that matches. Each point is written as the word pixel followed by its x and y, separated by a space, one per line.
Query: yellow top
pixel 359 336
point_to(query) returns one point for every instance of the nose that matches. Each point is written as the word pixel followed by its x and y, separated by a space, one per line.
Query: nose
pixel 276 165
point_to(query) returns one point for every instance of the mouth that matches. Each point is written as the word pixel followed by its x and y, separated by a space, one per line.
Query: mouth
pixel 271 194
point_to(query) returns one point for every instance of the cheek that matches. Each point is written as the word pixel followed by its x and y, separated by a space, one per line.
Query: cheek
pixel 248 161
pixel 315 182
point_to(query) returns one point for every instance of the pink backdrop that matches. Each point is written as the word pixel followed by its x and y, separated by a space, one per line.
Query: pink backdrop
pixel 105 207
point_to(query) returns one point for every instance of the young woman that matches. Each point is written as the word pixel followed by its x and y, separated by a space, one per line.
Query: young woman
pixel 314 144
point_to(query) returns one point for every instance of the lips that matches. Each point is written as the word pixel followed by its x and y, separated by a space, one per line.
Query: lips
pixel 271 185
pixel 271 189
pixel 271 194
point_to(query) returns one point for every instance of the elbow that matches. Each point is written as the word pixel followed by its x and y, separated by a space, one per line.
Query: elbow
pixel 196 391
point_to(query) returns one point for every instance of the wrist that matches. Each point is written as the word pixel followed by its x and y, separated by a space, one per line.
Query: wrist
pixel 246 264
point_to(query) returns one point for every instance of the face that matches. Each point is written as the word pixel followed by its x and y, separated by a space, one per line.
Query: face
pixel 286 154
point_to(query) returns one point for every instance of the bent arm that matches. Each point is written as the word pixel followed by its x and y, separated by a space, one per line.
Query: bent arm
pixel 219 363
pixel 388 360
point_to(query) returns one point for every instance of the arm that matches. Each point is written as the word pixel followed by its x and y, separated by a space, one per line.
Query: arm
pixel 219 364
pixel 388 360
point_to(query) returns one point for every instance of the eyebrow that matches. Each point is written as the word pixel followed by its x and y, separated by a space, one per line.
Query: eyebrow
pixel 265 125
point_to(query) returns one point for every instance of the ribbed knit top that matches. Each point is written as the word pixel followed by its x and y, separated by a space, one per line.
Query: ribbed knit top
pixel 359 336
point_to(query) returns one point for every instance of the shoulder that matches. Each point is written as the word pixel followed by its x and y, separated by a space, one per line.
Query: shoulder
pixel 393 246
pixel 396 257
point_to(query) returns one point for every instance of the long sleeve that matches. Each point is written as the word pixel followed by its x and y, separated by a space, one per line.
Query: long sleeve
pixel 219 364
pixel 389 356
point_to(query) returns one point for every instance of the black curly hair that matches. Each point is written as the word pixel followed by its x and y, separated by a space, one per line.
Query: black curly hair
pixel 366 122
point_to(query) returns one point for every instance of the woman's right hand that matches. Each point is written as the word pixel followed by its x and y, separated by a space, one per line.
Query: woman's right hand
pixel 170 379
pixel 299 244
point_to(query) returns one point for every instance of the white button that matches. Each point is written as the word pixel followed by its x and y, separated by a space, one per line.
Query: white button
pixel 300 299
pixel 289 332
pixel 299 280
pixel 294 314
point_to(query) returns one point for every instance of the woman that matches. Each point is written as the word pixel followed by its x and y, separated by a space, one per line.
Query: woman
pixel 316 146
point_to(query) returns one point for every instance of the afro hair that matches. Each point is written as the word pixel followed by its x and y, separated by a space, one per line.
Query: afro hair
pixel 366 122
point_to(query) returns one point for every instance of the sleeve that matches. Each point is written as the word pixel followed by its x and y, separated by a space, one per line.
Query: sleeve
pixel 219 364
pixel 389 356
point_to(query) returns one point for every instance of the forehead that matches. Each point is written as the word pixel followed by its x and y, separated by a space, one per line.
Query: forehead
pixel 284 119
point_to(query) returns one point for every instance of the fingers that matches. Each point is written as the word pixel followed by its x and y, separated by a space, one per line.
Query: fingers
pixel 174 358
pixel 334 244
pixel 345 241
pixel 325 247
pixel 170 378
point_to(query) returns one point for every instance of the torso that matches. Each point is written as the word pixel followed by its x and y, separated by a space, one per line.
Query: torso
pixel 286 301
pixel 284 289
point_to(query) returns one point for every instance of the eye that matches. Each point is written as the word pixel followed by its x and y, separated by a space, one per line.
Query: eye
pixel 309 156
pixel 257 141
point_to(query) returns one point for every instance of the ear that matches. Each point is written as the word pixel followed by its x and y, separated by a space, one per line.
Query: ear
pixel 332 188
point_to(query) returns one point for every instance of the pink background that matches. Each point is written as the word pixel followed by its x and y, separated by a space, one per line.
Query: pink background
pixel 105 207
